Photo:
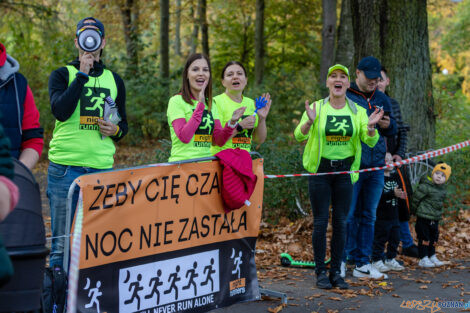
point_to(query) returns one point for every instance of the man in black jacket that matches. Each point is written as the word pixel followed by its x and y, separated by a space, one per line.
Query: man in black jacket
pixel 83 140
pixel 396 145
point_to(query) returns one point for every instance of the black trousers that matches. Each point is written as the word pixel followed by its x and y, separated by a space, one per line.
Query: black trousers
pixel 323 190
pixel 385 231
pixel 426 230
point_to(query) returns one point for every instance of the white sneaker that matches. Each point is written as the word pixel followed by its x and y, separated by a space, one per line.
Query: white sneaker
pixel 393 265
pixel 436 261
pixel 426 262
pixel 368 271
pixel 342 269
pixel 380 266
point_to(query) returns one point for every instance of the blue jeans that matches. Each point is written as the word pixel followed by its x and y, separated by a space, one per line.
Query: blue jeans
pixel 405 235
pixel 59 179
pixel 361 218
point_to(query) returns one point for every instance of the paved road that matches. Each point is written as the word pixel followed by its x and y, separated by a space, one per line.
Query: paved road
pixel 450 283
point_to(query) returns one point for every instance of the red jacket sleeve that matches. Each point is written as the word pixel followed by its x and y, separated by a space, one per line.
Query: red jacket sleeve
pixel 32 131
pixel 221 135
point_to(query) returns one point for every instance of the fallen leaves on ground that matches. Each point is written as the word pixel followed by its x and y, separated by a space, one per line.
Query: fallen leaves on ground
pixel 277 309
pixel 295 238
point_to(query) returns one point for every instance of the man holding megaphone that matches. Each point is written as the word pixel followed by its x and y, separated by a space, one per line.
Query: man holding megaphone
pixel 84 135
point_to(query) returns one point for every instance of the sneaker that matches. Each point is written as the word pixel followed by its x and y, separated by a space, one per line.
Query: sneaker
pixel 368 271
pixel 342 268
pixel 380 266
pixel 322 281
pixel 411 251
pixel 436 261
pixel 337 281
pixel 426 262
pixel 393 265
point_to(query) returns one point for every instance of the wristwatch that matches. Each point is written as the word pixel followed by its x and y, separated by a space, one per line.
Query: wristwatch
pixel 239 128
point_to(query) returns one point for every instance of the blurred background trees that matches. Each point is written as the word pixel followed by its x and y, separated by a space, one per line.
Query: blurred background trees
pixel 286 46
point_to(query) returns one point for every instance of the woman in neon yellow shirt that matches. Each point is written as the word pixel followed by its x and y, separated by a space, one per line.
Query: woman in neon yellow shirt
pixel 194 127
pixel 250 125
pixel 334 129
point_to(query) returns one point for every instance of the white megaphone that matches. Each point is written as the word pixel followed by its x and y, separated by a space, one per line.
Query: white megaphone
pixel 89 40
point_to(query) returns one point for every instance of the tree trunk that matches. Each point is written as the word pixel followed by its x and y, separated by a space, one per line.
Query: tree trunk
pixel 396 32
pixel 202 6
pixel 246 38
pixel 328 37
pixel 259 42
pixel 406 57
pixel 178 28
pixel 164 40
pixel 130 19
pixel 366 28
pixel 194 35
pixel 345 44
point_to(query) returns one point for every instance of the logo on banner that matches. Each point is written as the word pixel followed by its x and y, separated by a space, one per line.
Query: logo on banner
pixel 93 295
pixel 237 286
pixel 174 285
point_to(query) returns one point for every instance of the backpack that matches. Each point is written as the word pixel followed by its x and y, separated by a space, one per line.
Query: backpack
pixel 54 290
pixel 6 268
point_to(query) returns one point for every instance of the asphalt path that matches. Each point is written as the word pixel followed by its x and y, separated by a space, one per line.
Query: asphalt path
pixel 449 285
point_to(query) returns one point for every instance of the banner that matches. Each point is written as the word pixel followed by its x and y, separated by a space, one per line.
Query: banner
pixel 156 239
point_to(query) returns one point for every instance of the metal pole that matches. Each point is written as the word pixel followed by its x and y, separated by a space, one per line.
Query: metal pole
pixel 68 224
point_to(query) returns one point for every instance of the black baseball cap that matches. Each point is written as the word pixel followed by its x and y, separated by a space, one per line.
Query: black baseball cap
pixel 97 23
pixel 371 67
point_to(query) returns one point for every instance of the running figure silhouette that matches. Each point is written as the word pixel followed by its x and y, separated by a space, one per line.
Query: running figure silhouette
pixel 135 293
pixel 341 125
pixel 192 274
pixel 173 278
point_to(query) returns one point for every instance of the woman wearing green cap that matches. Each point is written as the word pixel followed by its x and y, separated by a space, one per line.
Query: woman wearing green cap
pixel 334 128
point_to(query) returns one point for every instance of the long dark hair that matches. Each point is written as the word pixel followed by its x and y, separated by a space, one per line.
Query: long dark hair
pixel 186 88
pixel 232 63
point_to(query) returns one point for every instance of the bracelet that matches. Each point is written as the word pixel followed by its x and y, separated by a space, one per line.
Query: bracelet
pixel 232 125
pixel 371 129
pixel 117 130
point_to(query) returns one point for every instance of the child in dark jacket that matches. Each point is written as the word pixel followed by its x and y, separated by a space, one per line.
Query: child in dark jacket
pixel 387 224
pixel 427 203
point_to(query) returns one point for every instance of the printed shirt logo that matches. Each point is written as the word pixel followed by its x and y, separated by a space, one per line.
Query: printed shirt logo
pixel 242 139
pixel 389 186
pixel 338 130
pixel 92 107
pixel 203 135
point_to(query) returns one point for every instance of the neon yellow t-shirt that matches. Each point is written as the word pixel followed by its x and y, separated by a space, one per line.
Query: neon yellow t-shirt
pixel 337 132
pixel 200 144
pixel 224 107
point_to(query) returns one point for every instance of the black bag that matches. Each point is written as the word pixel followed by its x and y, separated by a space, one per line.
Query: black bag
pixel 6 268
pixel 55 290
pixel 24 238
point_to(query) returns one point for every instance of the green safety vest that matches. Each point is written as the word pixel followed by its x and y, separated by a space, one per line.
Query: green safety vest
pixel 77 141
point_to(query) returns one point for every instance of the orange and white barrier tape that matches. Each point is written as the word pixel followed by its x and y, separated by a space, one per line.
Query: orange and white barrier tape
pixel 417 158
